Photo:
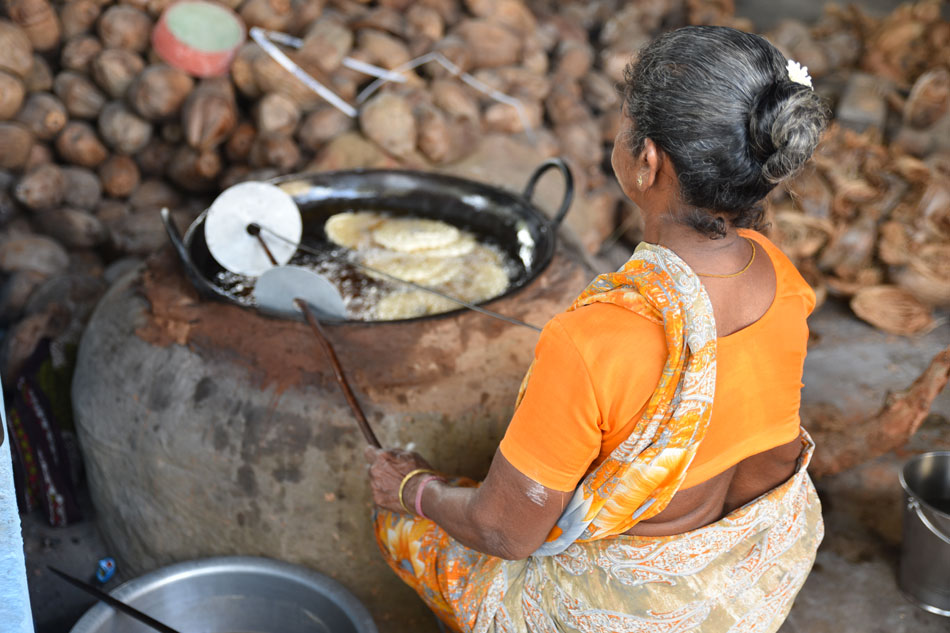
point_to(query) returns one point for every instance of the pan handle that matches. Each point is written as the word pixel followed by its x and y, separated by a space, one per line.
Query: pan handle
pixel 560 164
pixel 201 284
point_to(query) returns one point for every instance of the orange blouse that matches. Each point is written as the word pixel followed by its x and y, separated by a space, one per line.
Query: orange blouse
pixel 596 367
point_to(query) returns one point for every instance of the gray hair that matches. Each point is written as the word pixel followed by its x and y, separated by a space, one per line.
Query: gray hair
pixel 720 104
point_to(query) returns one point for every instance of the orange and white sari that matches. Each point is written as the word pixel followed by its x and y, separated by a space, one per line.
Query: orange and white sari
pixel 738 575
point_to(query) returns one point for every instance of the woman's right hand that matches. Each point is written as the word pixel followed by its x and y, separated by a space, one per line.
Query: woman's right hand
pixel 387 468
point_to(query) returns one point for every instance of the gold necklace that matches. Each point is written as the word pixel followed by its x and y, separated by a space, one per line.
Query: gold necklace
pixel 744 268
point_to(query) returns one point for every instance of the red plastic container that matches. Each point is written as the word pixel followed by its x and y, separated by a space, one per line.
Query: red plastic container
pixel 199 37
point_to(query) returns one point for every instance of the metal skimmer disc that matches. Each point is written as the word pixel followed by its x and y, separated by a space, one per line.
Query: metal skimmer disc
pixel 252 203
pixel 277 288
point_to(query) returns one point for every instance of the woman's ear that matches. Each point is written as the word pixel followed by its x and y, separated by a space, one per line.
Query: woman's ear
pixel 648 165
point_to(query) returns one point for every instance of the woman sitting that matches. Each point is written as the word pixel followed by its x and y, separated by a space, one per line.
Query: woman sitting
pixel 653 475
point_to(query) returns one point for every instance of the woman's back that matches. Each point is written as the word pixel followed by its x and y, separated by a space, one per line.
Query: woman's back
pixel 620 356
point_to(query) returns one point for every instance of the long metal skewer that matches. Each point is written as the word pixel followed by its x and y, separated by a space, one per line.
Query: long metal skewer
pixel 116 604
pixel 338 371
pixel 466 304
pixel 255 230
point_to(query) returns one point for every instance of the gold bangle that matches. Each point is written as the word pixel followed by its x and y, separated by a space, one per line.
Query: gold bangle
pixel 405 480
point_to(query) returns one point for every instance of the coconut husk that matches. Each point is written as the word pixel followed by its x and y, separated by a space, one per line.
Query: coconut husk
pixel 929 99
pixel 934 208
pixel 801 236
pixel 894 244
pixel 852 249
pixel 850 286
pixel 927 275
pixel 845 446
pixel 892 309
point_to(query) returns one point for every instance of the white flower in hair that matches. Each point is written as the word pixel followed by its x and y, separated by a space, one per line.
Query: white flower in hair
pixel 799 74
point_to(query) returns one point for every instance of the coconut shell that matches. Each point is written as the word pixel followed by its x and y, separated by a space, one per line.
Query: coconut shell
pixel 40 154
pixel 892 310
pixel 123 130
pixel 322 125
pixel 501 117
pixel 78 17
pixel 154 158
pixel 41 188
pixel 79 145
pixel 12 93
pixel 83 100
pixel 114 69
pixel 599 92
pixel 83 189
pixel 16 141
pixel 210 114
pixel 564 105
pixel 238 147
pixel 120 176
pixel 79 51
pixel 491 44
pixel 73 228
pixel 38 20
pixel 455 99
pixel 16 50
pixel 276 113
pixel 44 115
pixel 153 195
pixel 123 26
pixel 326 43
pixel 159 92
pixel 382 48
pixel 242 70
pixel 275 150
pixel 387 120
pixel 195 171
pixel 424 23
pixel 273 15
pixel 40 77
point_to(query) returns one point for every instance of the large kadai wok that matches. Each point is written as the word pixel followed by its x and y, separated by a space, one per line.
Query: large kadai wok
pixel 494 215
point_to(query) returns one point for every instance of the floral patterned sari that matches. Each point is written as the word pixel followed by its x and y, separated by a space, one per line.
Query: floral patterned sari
pixel 738 575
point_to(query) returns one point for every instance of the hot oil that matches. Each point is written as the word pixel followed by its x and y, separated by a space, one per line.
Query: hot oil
pixel 361 292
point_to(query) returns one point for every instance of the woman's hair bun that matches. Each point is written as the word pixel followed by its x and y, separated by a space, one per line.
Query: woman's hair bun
pixel 720 104
pixel 785 125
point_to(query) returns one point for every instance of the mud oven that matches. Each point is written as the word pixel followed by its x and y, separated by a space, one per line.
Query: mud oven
pixel 212 429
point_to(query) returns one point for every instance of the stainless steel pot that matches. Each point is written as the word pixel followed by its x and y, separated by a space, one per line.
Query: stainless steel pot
pixel 231 594
pixel 924 575
pixel 501 217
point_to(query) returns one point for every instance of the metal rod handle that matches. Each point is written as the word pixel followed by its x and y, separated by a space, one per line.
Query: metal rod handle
pixel 914 504
pixel 255 229
pixel 338 372
pixel 116 604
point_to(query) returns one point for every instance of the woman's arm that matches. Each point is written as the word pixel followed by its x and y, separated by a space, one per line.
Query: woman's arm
pixel 508 516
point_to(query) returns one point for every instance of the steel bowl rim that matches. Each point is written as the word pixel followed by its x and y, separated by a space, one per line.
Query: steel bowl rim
pixel 354 610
